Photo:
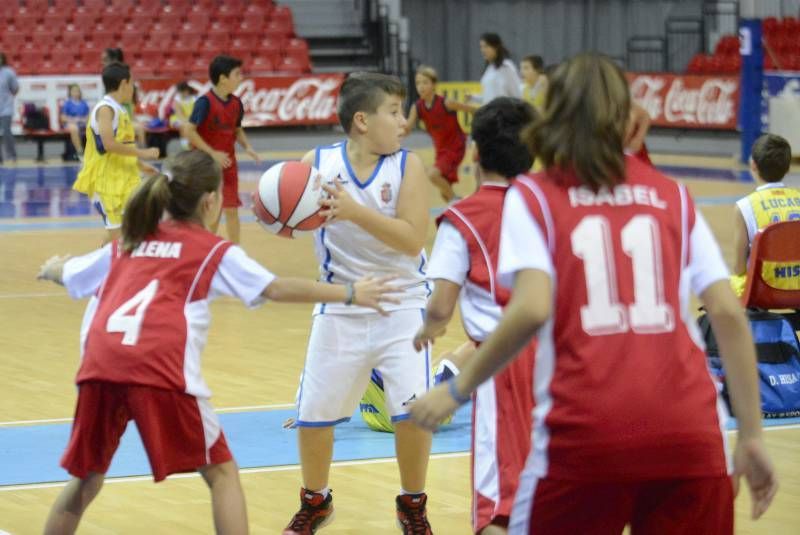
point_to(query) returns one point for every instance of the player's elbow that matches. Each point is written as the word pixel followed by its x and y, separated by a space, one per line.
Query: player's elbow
pixel 438 311
pixel 412 245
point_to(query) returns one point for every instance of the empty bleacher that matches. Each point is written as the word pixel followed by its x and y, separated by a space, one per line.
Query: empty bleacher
pixel 170 38
pixel 781 50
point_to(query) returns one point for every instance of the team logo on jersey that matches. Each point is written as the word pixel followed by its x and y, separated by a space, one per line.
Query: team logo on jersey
pixel 386 193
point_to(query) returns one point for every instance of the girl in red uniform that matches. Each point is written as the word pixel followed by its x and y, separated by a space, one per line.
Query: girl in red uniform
pixel 602 252
pixel 144 331
pixel 439 115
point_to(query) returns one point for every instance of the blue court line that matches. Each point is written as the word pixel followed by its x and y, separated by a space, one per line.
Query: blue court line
pixel 31 454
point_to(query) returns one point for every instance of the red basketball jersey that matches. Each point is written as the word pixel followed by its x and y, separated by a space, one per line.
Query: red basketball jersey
pixel 442 125
pixel 622 389
pixel 476 219
pixel 149 322
pixel 218 128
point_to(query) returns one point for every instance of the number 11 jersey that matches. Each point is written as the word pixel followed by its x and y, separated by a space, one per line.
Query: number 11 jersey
pixel 621 383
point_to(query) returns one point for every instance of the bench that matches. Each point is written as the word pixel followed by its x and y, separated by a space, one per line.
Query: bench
pixel 31 129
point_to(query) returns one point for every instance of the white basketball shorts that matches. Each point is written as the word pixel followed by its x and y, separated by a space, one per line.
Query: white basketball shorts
pixel 342 351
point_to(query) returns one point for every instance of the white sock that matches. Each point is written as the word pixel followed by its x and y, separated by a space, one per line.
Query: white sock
pixel 404 492
pixel 324 492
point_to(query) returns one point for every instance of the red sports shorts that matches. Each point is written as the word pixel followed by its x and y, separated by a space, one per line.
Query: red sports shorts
pixel 447 162
pixel 666 507
pixel 230 185
pixel 180 432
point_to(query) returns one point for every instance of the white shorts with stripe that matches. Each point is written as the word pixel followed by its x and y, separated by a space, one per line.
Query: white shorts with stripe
pixel 342 352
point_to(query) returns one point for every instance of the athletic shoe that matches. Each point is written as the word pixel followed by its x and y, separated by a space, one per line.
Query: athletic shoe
pixel 412 518
pixel 316 511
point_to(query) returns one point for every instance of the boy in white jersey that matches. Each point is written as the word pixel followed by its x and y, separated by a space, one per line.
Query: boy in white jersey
pixel 378 217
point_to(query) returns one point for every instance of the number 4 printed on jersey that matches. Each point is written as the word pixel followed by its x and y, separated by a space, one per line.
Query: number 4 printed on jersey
pixel 122 321
pixel 604 314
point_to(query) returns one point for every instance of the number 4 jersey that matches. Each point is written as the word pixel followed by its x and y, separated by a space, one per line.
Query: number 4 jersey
pixel 147 321
pixel 621 384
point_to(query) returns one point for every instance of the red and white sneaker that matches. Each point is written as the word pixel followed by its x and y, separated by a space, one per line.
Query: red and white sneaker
pixel 412 518
pixel 316 511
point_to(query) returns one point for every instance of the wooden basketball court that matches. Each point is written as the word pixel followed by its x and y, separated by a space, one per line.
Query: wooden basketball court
pixel 253 360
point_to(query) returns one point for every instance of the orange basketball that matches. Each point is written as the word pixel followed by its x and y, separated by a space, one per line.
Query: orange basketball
pixel 287 199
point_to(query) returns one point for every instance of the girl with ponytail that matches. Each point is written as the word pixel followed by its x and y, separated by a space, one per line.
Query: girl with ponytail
pixel 144 330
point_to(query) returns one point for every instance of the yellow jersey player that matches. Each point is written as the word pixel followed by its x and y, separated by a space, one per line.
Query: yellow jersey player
pixel 111 163
pixel 771 202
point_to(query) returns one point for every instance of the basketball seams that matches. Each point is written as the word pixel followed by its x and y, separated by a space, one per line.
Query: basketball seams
pixel 297 198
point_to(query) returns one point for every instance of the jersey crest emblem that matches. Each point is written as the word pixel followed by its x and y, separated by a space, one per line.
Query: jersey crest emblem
pixel 386 193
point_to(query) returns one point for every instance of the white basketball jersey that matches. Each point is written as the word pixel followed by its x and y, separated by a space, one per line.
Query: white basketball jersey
pixel 346 252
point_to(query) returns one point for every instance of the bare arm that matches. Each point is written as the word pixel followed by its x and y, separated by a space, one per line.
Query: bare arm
pixel 454 105
pixel 189 131
pixel 241 137
pixel 411 122
pixel 368 292
pixel 438 313
pixel 741 244
pixel 739 359
pixel 406 231
pixel 528 309
pixel 105 126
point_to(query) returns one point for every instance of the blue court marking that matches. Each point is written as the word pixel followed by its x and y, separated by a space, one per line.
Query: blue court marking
pixel 31 454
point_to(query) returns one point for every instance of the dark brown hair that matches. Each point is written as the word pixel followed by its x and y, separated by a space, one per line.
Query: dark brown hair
pixel 365 91
pixel 178 190
pixel 773 156
pixel 494 41
pixel 583 124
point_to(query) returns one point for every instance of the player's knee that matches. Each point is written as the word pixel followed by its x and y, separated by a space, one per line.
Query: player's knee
pixel 214 474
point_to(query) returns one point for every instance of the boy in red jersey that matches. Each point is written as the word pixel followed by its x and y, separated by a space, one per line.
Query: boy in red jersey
pixel 463 263
pixel 441 122
pixel 215 126
pixel 145 328
pixel 602 252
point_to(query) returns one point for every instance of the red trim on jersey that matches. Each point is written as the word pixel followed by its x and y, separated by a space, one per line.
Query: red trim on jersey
pixel 476 219
pixel 608 398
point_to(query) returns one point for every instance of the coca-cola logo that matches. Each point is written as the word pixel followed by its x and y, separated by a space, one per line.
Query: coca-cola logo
pixel 310 99
pixel 701 101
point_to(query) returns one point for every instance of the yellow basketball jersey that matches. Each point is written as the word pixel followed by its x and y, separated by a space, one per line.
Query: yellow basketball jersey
pixel 770 203
pixel 104 172
pixel 535 94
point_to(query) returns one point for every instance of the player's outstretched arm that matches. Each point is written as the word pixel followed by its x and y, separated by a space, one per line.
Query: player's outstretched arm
pixel 528 309
pixel 53 269
pixel 438 312
pixel 368 292
pixel 736 348
pixel 454 105
pixel 406 231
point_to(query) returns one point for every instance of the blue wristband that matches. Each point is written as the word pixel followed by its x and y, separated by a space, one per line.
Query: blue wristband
pixel 451 387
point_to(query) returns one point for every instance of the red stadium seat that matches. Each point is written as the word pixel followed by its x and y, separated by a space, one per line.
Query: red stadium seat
pixel 228 14
pixel 259 65
pixel 298 56
pixel 50 67
pixel 171 68
pixel 180 4
pixel 150 56
pixel 55 18
pixel 191 31
pixel 13 34
pixel 182 56
pixel 37 5
pixel 170 19
pixel 241 43
pixel 283 15
pixel 277 27
pixel 62 57
pixel 776 243
pixel 142 69
pixel 200 18
pixel 64 4
pixel 98 4
pixel 25 18
pixel 294 65
pixel 30 57
pixel 248 29
pixel 71 39
pixel 296 45
pixel 130 32
pixel 83 67
pixel 270 44
pixel 84 19
pixel 151 10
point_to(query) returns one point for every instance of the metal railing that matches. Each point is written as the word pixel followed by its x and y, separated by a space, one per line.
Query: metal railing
pixel 646 54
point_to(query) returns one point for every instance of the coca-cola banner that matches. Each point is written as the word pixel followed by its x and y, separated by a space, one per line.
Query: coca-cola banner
pixel 688 101
pixel 268 101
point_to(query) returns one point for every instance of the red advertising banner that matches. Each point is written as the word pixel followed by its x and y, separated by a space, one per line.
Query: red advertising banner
pixel 268 100
pixel 687 101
